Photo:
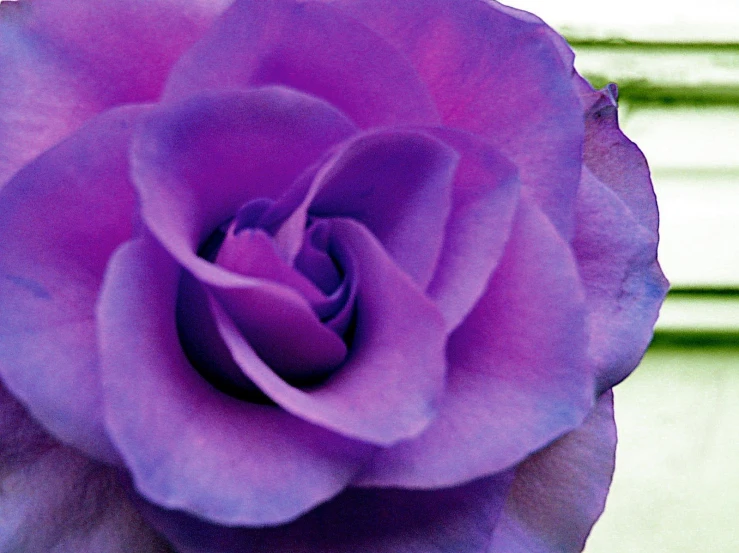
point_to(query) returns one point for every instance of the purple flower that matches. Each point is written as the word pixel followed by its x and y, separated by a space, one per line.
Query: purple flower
pixel 310 277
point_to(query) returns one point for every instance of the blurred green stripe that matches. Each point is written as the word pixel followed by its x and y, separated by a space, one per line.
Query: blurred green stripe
pixel 645 93
pixel 651 45
pixel 703 292
pixel 663 73
pixel 694 338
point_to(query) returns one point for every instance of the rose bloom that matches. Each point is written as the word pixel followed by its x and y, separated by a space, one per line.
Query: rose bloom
pixel 284 276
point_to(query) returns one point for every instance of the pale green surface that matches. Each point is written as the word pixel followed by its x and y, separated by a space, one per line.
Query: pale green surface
pixel 664 66
pixel 705 313
pixel 699 224
pixel 676 488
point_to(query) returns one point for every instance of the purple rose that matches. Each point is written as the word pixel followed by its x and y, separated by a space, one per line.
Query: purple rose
pixel 310 276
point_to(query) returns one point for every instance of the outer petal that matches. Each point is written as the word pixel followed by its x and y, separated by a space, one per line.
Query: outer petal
pixel 54 500
pixel 61 62
pixel 60 219
pixel 496 75
pixel 388 387
pixel 196 163
pixel 458 520
pixel 560 492
pixel 309 47
pixel 484 201
pixel 623 282
pixel 614 159
pixel 517 375
pixel 186 445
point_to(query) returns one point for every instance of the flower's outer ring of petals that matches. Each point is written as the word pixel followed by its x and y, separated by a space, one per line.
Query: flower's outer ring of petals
pixel 186 445
pixel 623 283
pixel 398 184
pixel 484 200
pixel 60 219
pixel 61 62
pixel 311 47
pixel 497 76
pixel 40 102
pixel 388 387
pixel 614 159
pixel 197 162
pixel 459 520
pixel 560 491
pixel 56 499
pixel 517 375
pixel 123 46
pixel 565 51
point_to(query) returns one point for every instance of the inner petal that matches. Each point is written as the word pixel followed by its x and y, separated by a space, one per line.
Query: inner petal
pixel 300 330
pixel 314 261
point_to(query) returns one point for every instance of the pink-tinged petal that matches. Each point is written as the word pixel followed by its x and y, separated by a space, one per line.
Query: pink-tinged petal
pixel 197 163
pixel 55 500
pixel 517 375
pixel 498 76
pixel 560 491
pixel 399 185
pixel 187 445
pixel 623 283
pixel 287 335
pixel 123 46
pixel 484 200
pixel 40 102
pixel 60 219
pixel 61 62
pixel 614 159
pixel 252 253
pixel 309 47
pixel 283 329
pixel 452 520
pixel 388 387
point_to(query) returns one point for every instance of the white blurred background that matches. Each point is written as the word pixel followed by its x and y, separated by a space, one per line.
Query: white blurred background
pixel 676 488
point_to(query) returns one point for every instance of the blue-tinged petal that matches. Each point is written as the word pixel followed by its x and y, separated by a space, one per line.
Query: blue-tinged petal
pixel 518 376
pixel 186 445
pixel 63 61
pixel 311 47
pixel 61 217
pixel 399 184
pixel 484 200
pixel 54 500
pixel 560 491
pixel 623 282
pixel 196 163
pixel 497 74
pixel 452 520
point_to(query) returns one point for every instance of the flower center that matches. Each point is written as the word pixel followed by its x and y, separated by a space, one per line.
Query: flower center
pixel 304 339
